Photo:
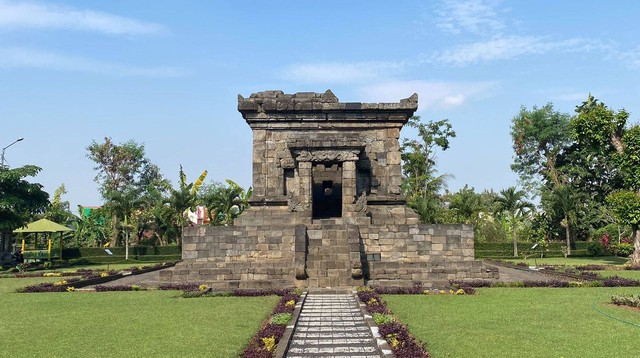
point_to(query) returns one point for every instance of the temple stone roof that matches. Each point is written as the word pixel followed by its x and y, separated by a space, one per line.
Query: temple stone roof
pixel 262 105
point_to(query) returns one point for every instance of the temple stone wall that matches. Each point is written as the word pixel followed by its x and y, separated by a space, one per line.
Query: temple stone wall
pixel 327 207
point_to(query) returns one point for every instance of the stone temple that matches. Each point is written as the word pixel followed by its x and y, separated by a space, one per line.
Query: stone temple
pixel 327 207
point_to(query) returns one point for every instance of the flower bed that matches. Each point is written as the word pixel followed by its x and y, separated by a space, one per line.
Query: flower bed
pixel 395 333
pixel 613 281
pixel 264 343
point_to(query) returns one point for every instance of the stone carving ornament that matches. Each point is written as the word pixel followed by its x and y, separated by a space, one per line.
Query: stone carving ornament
pixel 326 155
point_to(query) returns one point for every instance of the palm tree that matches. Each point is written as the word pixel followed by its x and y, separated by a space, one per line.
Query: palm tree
pixel 225 203
pixel 512 202
pixel 568 200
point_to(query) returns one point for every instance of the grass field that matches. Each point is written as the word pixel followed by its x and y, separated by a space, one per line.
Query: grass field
pixel 574 261
pixel 508 322
pixel 125 324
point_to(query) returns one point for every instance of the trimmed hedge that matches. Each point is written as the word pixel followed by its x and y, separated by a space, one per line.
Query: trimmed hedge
pixel 504 250
pixel 78 252
pixel 97 255
pixel 121 258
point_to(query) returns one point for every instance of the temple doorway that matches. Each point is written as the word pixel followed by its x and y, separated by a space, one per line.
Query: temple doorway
pixel 327 190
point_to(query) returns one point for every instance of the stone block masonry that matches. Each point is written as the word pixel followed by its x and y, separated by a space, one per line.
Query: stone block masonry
pixel 327 207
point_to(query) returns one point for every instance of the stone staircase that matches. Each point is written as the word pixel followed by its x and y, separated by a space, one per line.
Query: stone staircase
pixel 331 256
pixel 332 325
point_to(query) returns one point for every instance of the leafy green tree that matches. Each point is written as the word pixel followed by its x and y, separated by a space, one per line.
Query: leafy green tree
pixel 466 205
pixel 123 171
pixel 58 210
pixel 91 229
pixel 626 206
pixel 20 200
pixel 570 203
pixel 421 184
pixel 512 203
pixel 225 203
pixel 539 135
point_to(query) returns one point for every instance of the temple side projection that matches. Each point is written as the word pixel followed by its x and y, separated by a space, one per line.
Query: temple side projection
pixel 327 207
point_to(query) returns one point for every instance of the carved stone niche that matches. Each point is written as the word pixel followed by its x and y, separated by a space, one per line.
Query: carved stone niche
pixel 326 155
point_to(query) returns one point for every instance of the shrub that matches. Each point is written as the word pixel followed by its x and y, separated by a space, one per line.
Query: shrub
pixel 263 292
pixel 474 283
pixel 380 318
pixel 591 267
pixel 622 250
pixel 401 341
pixel 631 267
pixel 179 286
pixel 551 283
pixel 626 300
pixel 281 318
pixel 596 249
pixel 414 290
pixel 617 281
pixel 101 288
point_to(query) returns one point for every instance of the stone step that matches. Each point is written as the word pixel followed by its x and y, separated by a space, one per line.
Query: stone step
pixel 332 325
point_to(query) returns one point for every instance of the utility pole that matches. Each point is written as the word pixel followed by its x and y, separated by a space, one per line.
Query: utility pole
pixel 5 148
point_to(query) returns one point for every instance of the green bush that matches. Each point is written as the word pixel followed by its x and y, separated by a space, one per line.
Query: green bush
pixel 78 252
pixel 504 250
pixel 626 300
pixel 381 318
pixel 596 249
pixel 121 258
pixel 281 318
pixel 622 250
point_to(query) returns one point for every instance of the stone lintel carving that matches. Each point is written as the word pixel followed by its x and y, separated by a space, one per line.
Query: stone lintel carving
pixel 326 155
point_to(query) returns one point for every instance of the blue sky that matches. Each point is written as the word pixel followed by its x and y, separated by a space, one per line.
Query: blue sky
pixel 167 74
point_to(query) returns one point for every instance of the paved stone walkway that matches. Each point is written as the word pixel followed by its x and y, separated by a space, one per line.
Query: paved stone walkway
pixel 332 325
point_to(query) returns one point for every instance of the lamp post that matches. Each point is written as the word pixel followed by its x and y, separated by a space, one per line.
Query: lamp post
pixel 5 148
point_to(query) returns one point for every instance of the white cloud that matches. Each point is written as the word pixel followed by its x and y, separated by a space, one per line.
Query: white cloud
pixel 503 48
pixel 35 15
pixel 19 57
pixel 432 94
pixel 474 16
pixel 340 72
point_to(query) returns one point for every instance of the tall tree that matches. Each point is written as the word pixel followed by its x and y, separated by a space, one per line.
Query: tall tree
pixel 466 205
pixel 421 184
pixel 512 202
pixel 58 210
pixel 120 168
pixel 225 203
pixel 20 200
pixel 569 202
pixel 539 135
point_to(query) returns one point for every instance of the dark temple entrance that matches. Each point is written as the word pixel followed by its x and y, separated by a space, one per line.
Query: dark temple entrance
pixel 327 190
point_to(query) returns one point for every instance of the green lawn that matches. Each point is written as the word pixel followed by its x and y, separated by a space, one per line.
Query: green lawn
pixel 633 274
pixel 125 324
pixel 511 322
pixel 574 261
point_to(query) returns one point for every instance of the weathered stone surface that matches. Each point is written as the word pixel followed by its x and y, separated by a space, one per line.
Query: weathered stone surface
pixel 327 207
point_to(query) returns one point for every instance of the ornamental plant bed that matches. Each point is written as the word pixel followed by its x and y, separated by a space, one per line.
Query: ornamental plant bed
pixel 626 300
pixel 264 343
pixel 88 278
pixel 395 333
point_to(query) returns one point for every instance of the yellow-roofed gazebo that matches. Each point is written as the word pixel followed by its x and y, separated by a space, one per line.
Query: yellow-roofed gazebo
pixel 38 240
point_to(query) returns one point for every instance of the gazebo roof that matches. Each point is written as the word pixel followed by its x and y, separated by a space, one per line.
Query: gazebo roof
pixel 42 225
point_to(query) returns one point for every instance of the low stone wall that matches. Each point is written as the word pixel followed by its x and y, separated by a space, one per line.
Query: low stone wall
pixel 276 255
